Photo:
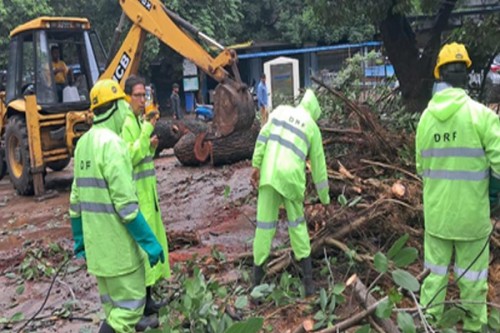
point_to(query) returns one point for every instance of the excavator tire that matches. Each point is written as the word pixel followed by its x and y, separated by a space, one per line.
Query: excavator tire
pixel 17 155
pixel 59 165
pixel 3 165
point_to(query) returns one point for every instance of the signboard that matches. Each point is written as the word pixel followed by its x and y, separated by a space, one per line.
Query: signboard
pixel 282 80
pixel 189 68
pixel 190 83
pixel 282 83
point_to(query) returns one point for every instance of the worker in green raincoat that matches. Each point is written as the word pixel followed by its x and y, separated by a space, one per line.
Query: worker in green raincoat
pixel 458 157
pixel 108 227
pixel 287 140
pixel 137 133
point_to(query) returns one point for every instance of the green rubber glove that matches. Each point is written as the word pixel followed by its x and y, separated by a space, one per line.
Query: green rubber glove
pixel 140 231
pixel 76 227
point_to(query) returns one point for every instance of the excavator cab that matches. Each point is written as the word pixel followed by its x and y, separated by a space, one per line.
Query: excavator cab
pixel 53 64
pixel 47 56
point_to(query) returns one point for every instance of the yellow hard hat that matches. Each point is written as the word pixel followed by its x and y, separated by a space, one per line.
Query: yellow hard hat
pixel 453 52
pixel 105 91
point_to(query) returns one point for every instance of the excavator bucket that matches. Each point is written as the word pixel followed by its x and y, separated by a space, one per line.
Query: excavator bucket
pixel 234 109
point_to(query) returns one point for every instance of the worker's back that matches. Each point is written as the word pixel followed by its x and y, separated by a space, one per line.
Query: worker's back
pixel 291 132
pixel 453 145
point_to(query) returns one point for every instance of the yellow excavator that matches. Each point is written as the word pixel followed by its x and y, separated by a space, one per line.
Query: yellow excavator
pixel 43 113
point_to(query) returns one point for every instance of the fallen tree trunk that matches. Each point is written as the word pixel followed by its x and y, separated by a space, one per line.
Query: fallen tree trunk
pixel 196 149
pixel 184 150
pixel 235 147
pixel 170 131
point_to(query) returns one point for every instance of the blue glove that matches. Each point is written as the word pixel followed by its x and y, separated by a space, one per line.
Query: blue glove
pixel 140 231
pixel 76 227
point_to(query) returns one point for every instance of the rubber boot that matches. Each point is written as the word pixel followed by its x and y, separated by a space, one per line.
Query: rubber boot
pixel 105 328
pixel 306 266
pixel 258 275
pixel 152 307
pixel 146 322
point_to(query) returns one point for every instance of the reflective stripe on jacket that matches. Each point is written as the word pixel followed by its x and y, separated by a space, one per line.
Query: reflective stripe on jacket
pixel 457 142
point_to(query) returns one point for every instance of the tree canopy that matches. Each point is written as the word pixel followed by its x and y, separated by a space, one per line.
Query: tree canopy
pixel 412 52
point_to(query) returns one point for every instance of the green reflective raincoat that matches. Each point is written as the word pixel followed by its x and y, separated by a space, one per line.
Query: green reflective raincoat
pixel 457 142
pixel 284 143
pixel 103 194
pixel 136 134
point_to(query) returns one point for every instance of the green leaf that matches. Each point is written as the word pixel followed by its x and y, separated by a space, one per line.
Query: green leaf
pixel 364 329
pixel 54 247
pixel 405 257
pixel 11 276
pixel 227 191
pixel 384 309
pixel 342 200
pixel 397 246
pixel 187 302
pixel 448 330
pixel 20 289
pixel 355 201
pixel 395 296
pixel 261 290
pixel 338 288
pixel 251 325
pixel 323 299
pixel 241 302
pixel 18 316
pixel 451 317
pixel 320 315
pixel 494 319
pixel 405 280
pixel 333 303
pixel 406 323
pixel 381 263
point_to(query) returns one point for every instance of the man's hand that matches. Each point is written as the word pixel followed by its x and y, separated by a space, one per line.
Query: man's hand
pixel 152 117
pixel 255 178
pixel 154 141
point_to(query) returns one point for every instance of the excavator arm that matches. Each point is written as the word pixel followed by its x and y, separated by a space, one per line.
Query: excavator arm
pixel 233 104
pixel 153 17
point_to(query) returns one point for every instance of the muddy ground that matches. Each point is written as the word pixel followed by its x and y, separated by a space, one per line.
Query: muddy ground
pixel 202 207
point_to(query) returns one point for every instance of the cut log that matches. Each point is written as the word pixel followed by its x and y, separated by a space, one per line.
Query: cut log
pixel 194 150
pixel 234 109
pixel 184 150
pixel 202 149
pixel 235 147
pixel 170 131
pixel 168 134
